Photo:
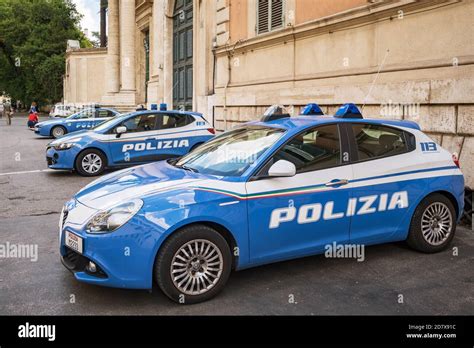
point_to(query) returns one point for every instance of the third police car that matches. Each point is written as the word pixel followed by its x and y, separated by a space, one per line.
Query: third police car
pixel 84 119
pixel 129 139
pixel 271 190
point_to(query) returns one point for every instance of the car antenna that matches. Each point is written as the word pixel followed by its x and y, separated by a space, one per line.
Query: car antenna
pixel 375 78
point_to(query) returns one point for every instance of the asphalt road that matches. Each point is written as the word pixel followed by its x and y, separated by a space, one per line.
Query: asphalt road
pixel 31 198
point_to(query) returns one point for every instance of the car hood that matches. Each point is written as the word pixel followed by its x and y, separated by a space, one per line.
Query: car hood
pixel 135 182
pixel 72 137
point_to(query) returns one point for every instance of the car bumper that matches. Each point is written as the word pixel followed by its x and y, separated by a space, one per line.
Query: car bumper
pixel 123 258
pixel 61 159
pixel 42 131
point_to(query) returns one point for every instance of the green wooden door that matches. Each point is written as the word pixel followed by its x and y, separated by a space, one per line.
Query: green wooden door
pixel 183 55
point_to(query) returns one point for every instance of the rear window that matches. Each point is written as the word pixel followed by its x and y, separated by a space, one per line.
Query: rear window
pixel 377 141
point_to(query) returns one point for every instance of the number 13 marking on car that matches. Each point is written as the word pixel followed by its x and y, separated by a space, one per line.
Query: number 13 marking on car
pixel 429 147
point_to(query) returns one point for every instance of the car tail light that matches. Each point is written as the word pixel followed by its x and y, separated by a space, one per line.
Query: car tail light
pixel 211 130
pixel 456 160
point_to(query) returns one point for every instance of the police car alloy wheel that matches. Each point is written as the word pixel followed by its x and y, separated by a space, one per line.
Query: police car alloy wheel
pixel 90 163
pixel 193 265
pixel 433 224
pixel 58 131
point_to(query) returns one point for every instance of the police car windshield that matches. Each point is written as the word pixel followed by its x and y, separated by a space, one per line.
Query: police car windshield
pixel 107 123
pixel 231 153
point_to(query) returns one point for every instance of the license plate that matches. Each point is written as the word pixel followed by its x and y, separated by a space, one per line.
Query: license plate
pixel 74 242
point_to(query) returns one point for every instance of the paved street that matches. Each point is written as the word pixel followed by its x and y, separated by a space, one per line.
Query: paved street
pixel 30 201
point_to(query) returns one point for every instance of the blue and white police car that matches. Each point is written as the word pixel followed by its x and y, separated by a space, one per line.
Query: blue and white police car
pixel 84 119
pixel 271 190
pixel 129 139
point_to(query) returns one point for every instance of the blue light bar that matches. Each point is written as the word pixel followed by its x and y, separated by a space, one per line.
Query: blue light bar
pixel 348 110
pixel 312 109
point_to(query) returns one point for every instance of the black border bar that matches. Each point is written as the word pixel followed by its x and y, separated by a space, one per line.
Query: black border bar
pixel 196 330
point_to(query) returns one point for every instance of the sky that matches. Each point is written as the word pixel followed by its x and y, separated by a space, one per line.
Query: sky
pixel 90 10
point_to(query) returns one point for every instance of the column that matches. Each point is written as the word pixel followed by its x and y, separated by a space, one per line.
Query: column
pixel 113 49
pixel 127 46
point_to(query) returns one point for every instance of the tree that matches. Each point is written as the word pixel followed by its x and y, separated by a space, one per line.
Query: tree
pixel 33 40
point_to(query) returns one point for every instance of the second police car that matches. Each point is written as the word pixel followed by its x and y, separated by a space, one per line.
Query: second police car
pixel 272 190
pixel 84 119
pixel 129 139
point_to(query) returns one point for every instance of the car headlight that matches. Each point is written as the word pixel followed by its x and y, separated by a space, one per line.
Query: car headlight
pixel 109 220
pixel 63 146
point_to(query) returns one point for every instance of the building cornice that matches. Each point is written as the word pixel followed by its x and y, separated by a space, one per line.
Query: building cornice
pixel 87 51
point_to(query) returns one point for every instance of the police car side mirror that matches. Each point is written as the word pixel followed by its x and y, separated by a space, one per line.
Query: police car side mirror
pixel 120 130
pixel 282 168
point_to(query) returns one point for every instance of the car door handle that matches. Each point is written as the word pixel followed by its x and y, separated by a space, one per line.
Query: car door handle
pixel 337 182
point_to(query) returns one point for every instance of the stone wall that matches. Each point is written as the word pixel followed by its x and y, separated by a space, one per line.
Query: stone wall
pixel 84 81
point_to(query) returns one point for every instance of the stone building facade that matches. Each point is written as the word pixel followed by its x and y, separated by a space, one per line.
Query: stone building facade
pixel 230 59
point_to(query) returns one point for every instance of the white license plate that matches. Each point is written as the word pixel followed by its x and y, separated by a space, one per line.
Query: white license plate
pixel 74 242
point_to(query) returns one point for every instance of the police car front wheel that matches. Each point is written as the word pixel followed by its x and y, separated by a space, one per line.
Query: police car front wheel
pixel 193 265
pixel 58 131
pixel 90 163
pixel 433 225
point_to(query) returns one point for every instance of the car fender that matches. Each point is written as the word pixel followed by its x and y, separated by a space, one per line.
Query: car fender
pixel 171 218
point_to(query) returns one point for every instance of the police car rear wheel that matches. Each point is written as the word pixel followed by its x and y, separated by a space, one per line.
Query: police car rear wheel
pixel 193 265
pixel 58 131
pixel 90 163
pixel 433 225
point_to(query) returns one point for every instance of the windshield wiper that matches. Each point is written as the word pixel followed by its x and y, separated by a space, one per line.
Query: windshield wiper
pixel 188 168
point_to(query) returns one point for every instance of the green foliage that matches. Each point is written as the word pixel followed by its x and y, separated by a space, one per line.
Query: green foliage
pixel 33 40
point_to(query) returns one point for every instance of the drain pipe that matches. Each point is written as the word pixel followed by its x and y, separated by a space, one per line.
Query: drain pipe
pixel 230 54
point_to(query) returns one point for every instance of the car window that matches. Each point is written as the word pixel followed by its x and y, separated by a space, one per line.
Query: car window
pixel 141 123
pixel 316 149
pixel 375 141
pixel 174 121
pixel 104 113
pixel 86 114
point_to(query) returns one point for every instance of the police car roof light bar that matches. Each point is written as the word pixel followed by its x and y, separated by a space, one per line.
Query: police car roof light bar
pixel 275 112
pixel 348 110
pixel 312 109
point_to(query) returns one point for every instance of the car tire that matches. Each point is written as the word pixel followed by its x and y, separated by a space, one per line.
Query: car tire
pixel 58 131
pixel 433 224
pixel 207 270
pixel 90 162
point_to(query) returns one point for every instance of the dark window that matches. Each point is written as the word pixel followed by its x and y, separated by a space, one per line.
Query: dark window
pixel 175 121
pixel 316 149
pixel 104 113
pixel 269 15
pixel 375 141
pixel 141 123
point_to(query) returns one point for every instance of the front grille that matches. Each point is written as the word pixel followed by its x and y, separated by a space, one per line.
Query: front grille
pixel 65 214
pixel 76 262
pixel 71 256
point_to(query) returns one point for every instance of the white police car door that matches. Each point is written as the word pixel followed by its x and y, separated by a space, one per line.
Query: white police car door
pixel 383 194
pixel 300 215
pixel 138 144
pixel 83 120
pixel 102 115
